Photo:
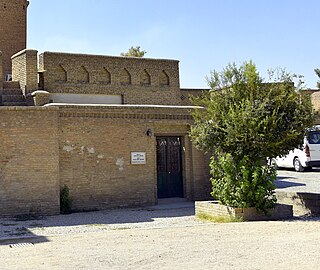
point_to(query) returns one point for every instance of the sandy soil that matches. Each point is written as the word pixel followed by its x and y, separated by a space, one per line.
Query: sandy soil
pixel 254 245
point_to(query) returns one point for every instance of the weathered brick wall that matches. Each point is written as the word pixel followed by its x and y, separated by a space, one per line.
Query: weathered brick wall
pixel 138 80
pixel 29 161
pixel 25 70
pixel 88 148
pixel 95 154
pixel 201 170
pixel 13 29
pixel 187 94
pixel 1 72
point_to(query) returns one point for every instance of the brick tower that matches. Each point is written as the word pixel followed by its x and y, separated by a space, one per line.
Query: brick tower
pixel 13 30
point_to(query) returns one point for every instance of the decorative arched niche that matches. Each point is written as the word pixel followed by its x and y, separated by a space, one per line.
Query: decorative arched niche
pixel 164 78
pixel 83 75
pixel 104 76
pixel 61 74
pixel 125 77
pixel 145 78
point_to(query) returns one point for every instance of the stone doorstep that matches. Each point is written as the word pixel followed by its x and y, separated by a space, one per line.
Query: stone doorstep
pixel 214 208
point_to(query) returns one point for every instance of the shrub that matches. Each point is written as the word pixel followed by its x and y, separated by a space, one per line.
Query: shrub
pixel 243 184
pixel 65 200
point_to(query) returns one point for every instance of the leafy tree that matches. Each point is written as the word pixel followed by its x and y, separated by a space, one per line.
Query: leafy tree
pixel 317 71
pixel 244 120
pixel 134 52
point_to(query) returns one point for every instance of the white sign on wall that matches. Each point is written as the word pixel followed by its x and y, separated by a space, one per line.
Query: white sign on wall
pixel 138 158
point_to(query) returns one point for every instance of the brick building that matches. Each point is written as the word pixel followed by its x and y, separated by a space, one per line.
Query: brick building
pixel 113 129
pixel 13 30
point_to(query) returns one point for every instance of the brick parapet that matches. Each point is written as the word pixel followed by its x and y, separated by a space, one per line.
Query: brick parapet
pixel 188 93
pixel 138 80
pixel 25 70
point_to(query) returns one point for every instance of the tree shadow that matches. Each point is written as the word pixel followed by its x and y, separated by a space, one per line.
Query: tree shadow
pixel 279 183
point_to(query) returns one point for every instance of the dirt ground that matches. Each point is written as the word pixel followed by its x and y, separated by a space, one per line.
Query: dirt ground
pixel 247 245
pixel 164 237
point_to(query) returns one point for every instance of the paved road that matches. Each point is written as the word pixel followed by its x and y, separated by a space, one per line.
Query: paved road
pixel 289 180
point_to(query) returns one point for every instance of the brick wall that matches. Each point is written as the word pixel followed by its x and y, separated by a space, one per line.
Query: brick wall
pixel 138 80
pixel 13 17
pixel 187 94
pixel 1 72
pixel 201 171
pixel 29 161
pixel 88 148
pixel 95 154
pixel 25 70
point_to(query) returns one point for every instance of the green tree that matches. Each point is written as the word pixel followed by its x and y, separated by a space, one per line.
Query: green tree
pixel 244 120
pixel 317 71
pixel 134 52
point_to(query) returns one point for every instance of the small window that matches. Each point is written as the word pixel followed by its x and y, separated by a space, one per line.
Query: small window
pixel 314 137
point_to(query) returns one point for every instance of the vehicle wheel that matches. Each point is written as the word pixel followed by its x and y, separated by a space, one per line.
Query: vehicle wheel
pixel 274 163
pixel 297 165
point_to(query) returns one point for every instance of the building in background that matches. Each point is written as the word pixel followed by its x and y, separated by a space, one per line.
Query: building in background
pixel 112 129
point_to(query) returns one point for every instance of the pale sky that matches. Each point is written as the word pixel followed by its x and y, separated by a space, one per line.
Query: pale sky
pixel 203 35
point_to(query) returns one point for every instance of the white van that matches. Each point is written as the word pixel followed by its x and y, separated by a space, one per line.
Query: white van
pixel 303 159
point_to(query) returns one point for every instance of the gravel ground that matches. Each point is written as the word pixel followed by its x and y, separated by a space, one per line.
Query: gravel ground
pixel 248 245
pixel 166 236
pixel 172 214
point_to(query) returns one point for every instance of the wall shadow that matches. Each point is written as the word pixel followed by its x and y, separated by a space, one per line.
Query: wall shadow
pixel 116 218
pixel 20 237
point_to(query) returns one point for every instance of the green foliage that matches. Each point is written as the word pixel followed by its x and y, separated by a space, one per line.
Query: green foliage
pixel 244 116
pixel 243 184
pixel 242 121
pixel 317 71
pixel 134 52
pixel 65 200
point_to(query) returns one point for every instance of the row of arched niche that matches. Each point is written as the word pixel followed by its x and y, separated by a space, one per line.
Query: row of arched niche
pixel 105 77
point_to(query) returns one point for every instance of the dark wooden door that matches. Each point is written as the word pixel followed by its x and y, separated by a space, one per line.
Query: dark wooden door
pixel 169 169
